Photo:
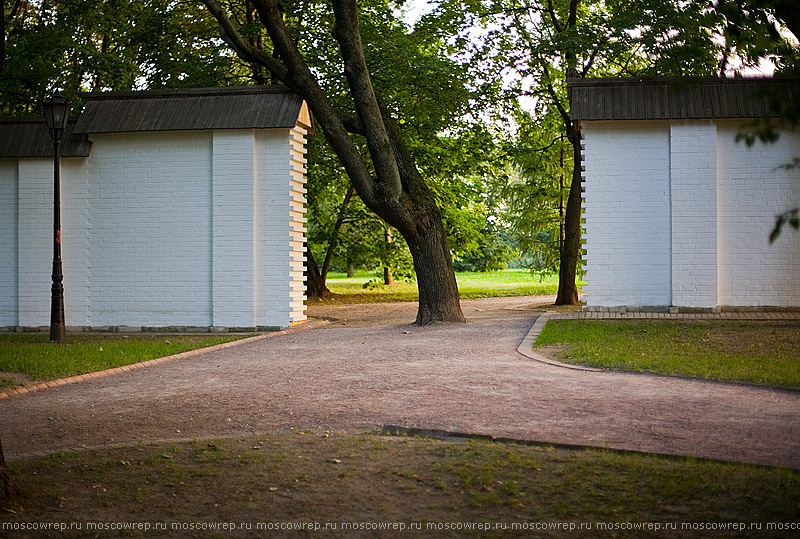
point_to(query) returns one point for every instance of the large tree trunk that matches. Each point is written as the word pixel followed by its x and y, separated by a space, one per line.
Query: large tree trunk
pixel 436 281
pixel 567 286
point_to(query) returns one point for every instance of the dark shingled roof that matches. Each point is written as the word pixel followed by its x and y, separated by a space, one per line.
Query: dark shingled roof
pixel 680 98
pixel 242 107
pixel 29 137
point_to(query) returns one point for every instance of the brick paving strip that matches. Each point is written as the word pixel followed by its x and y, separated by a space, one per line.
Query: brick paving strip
pixel 368 368
pixel 309 324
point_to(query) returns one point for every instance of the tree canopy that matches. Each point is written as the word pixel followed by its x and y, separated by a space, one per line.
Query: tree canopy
pixel 92 45
pixel 462 119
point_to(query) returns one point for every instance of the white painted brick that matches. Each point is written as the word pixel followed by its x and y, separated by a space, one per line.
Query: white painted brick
pixel 160 229
pixel 628 246
pixel 9 214
pixel 693 182
pixel 753 189
pixel 710 247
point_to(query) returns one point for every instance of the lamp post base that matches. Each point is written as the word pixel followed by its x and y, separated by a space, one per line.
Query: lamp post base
pixel 58 330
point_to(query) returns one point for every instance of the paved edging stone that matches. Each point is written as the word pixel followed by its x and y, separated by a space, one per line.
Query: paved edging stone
pixel 309 324
pixel 526 346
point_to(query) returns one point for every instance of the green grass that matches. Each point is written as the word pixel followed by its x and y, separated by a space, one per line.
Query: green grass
pixel 32 354
pixel 367 477
pixel 470 285
pixel 766 353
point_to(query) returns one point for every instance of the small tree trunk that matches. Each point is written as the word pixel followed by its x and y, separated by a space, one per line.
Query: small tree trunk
pixel 351 270
pixel 387 271
pixel 315 283
pixel 6 488
pixel 2 34
pixel 334 237
pixel 567 287
pixel 561 183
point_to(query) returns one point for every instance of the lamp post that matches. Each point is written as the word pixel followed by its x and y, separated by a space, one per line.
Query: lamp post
pixel 56 114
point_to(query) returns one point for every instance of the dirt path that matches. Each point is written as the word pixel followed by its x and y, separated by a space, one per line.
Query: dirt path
pixel 358 372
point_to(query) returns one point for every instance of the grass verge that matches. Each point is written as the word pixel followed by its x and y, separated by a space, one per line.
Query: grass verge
pixel 371 480
pixel 36 359
pixel 766 353
pixel 471 285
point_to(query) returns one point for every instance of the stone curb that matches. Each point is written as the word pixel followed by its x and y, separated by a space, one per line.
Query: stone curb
pixel 310 324
pixel 526 346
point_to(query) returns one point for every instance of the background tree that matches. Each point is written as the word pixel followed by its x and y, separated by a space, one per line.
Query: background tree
pixel 528 49
pixel 431 105
pixel 2 35
pixel 109 45
pixel 386 177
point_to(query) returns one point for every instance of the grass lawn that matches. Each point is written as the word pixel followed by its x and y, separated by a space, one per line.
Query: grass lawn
pixel 372 479
pixel 754 352
pixel 470 285
pixel 36 359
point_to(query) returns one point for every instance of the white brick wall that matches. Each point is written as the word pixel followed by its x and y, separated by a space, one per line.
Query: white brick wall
pixel 233 229
pixel 150 229
pixel 160 229
pixel 627 214
pixel 693 177
pixel 9 297
pixel 679 215
pixel 35 237
pixel 754 188
pixel 34 241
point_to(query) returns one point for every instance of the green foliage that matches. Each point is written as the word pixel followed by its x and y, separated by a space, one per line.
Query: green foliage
pixel 536 187
pixel 495 250
pixel 109 45
pixel 791 217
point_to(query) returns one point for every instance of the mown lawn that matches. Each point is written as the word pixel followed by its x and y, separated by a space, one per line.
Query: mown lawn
pixel 340 479
pixel 765 352
pixel 31 355
pixel 511 282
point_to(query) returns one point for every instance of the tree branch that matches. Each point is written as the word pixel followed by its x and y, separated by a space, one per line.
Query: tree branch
pixel 301 81
pixel 556 101
pixel 593 57
pixel 572 20
pixel 346 31
pixel 246 52
pixel 352 124
pixel 553 17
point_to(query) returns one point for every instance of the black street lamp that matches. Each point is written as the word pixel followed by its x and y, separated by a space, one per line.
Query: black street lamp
pixel 56 114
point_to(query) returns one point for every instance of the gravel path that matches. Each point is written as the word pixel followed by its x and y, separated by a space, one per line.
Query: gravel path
pixel 360 373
